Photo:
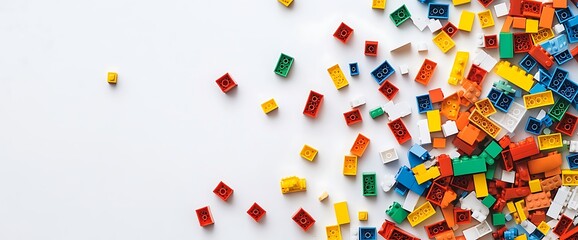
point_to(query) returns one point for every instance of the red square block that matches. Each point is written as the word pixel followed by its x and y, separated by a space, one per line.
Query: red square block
pixel 388 89
pixel 477 74
pixel 567 124
pixel 313 104
pixel 491 41
pixel 450 29
pixel 462 216
pixel 205 217
pixel 303 219
pixel 352 117
pixel 256 212
pixel 226 83
pixel 343 33
pixel 371 48
pixel 522 42
pixel 223 191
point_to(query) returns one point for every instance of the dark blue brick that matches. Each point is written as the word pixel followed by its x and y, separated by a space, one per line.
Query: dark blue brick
pixel 504 103
pixel 353 69
pixel 438 10
pixel 528 63
pixel 424 103
pixel 533 126
pixel 382 72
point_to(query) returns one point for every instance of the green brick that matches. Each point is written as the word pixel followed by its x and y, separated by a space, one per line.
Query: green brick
pixel 400 15
pixel 506 45
pixel 369 184
pixel 376 112
pixel 283 65
pixel 396 212
pixel 560 107
pixel 493 149
pixel 491 171
pixel 468 165
pixel 489 201
pixel 499 219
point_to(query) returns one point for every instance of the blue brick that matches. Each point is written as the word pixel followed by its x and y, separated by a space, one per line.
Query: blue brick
pixel 510 234
pixel 533 126
pixel 563 14
pixel 417 155
pixel 563 57
pixel 504 103
pixel 382 72
pixel 572 160
pixel 424 103
pixel 438 10
pixel 557 78
pixel 545 76
pixel 367 233
pixel 406 178
pixel 537 88
pixel 528 63
pixel 568 89
pixel 494 95
pixel 353 69
pixel 556 45
pixel 547 121
pixel 401 189
pixel 572 34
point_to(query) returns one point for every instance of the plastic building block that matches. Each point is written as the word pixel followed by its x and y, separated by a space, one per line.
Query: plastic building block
pixel 468 165
pixel 313 104
pixel 367 233
pixel 434 120
pixel 382 72
pixel 460 2
pixel 484 124
pixel 551 183
pixel 424 132
pixel 462 216
pixel 378 4
pixel 501 9
pixel 444 41
pixel 112 78
pixel 486 19
pixel 520 206
pixel 533 126
pixel 352 117
pixel 568 89
pixel 506 45
pixel 400 15
pixel 477 231
pixel 480 185
pixel 376 112
pixel 466 21
pixel 423 175
pixel 283 65
pixel 223 191
pixel 395 111
pixel 550 141
pixel 324 195
pixel 477 74
pixel 341 213
pixel 400 45
pixel 371 48
pixel 503 86
pixel 205 217
pixel 543 34
pixel 435 229
pixel 557 78
pixel 343 32
pixel 357 102
pixel 559 109
pixel 489 200
pixel 293 184
pixel 436 95
pixel 567 124
pixel 424 103
pixel 559 28
pixel 485 107
pixel 532 26
pixel 537 201
pixel 491 41
pixel 421 213
pixel 494 95
pixel 532 8
pixel 410 201
pixel 350 165
pixel 522 42
pixel 469 134
pixel 542 57
pixel 337 76
pixel 450 29
pixel 388 155
pixel 538 99
pixel 225 82
pixel 361 143
pixel 504 103
pixel 308 152
pixel 403 69
pixel 334 231
pixel 528 63
pixel 269 106
pixel 563 57
pixel 450 107
pixel 439 143
pixel 396 212
pixel 406 178
pixel 303 219
pixel 388 90
pixel 485 3
pixel 523 149
pixel 420 22
pixel 458 69
pixel 564 15
pixel 535 185
pixel 362 215
pixel 438 10
pixel 426 72
pixel 493 149
pixel 434 25
pixel 256 212
pixel 353 69
pixel 560 4
pixel 369 184
pixel 498 219
pixel 286 2
pixel 507 24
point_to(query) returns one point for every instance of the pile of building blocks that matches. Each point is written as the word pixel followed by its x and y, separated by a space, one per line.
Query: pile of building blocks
pixel 490 183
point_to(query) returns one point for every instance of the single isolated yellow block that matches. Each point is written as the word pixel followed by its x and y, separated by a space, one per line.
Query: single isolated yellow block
pixel 333 232
pixel 112 77
pixel 341 213
pixel 362 215
pixel 444 41
pixel 286 2
pixel 324 195
pixel 466 21
pixel 460 2
pixel 378 4
pixel 308 152
pixel 535 185
pixel 350 165
pixel 486 19
pixel 481 185
pixel 337 76
pixel 532 25
pixel 434 120
pixel 269 106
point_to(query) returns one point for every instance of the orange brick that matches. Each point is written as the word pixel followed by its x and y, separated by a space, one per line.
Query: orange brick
pixel 463 120
pixel 560 4
pixel 436 95
pixel 481 136
pixel 507 24
pixel 547 17
pixel 519 23
pixel 448 213
pixel 469 134
pixel 439 142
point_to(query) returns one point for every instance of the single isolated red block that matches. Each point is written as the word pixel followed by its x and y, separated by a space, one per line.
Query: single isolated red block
pixel 205 217
pixel 388 89
pixel 256 212
pixel 352 117
pixel 399 131
pixel 313 104
pixel 303 219
pixel 371 48
pixel 226 83
pixel 343 33
pixel 223 191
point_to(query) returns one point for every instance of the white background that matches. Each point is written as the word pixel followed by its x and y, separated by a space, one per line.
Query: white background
pixel 81 159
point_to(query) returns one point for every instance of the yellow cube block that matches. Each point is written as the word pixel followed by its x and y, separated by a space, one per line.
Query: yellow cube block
pixel 269 106
pixel 532 25
pixel 444 41
pixel 112 77
pixel 486 19
pixel 480 185
pixel 460 2
pixel 362 215
pixel 434 120
pixel 378 4
pixel 286 2
pixel 341 213
pixel 544 227
pixel 337 76
pixel 535 185
pixel 333 232
pixel 466 21
pixel 308 152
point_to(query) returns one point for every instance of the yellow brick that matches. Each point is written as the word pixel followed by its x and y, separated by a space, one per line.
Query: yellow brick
pixel 324 195
pixel 535 185
pixel 362 215
pixel 537 100
pixel 520 205
pixel 112 77
pixel 341 213
pixel 293 184
pixel 486 19
pixel 337 76
pixel 434 121
pixel 423 175
pixel 333 232
pixel 444 41
pixel 350 165
pixel 460 2
pixel 543 34
pixel 466 21
pixel 481 185
pixel 269 106
pixel 459 67
pixel 550 141
pixel 569 177
pixel 544 227
pixel 485 124
pixel 511 207
pixel 421 213
pixel 532 25
pixel 286 2
pixel 308 152
pixel 515 75
pixel 485 107
pixel 378 4
pixel 521 237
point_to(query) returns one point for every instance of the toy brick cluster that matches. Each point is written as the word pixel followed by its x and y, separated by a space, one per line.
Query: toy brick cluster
pixel 509 189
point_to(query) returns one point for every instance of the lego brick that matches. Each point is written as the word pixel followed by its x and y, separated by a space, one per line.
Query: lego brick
pixel 547 17
pixel 538 99
pixel 543 34
pixel 551 183
pixel 559 4
pixel 112 78
pixel 486 19
pixel 256 212
pixel 425 72
pixel 469 134
pixel 478 210
pixel 421 213
pixel 528 63
pixel 439 143
pixel 438 10
pixel 223 191
pixel 515 8
pixel 388 155
pixel 352 117
pixel 395 111
pixel 396 212
pixel 420 22
pixel 567 124
pixel 507 24
pixel 341 213
pixel 489 200
pixel 466 21
pixel 460 2
pixel 485 107
pixel 333 232
pixel 535 185
pixel 562 226
pixel 313 104
pixel 400 15
pixel 424 103
pixel 350 165
pixel 444 42
pixel 559 28
pixel 388 90
pixel 537 201
pixel 525 148
pixel 520 206
pixel 563 15
pixel 423 175
pixel 403 69
pixel 568 89
pixel 462 216
pixel 493 149
pixel 531 8
pixel 485 124
pixel 399 130
pixel 436 95
pixel 376 112
pixel 337 77
pixel 491 41
pixel 506 45
pixel 286 2
pixel 501 10
pixel 406 178
pixel 225 82
pixel 533 126
pixel 480 185
pixel 410 202
pixel 204 216
pixel 303 219
pixel 369 184
pixel 353 69
pixel 424 132
pixel 498 219
pixel 557 111
pixel 449 128
pixel 463 120
pixel 362 215
pixel 284 65
pixel 371 48
pixel 468 165
pixel 382 72
pixel 542 57
pixel 550 141
pixel 459 67
pixel 324 195
pixel 400 45
pixel 378 4
pixel 450 29
pixel 357 102
pixel 522 42
pixel 437 228
pixel 563 57
pixel 434 120
pixel 434 25
pixel 360 144
pixel 344 32
pixel 557 78
pixel 293 184
pixel 269 106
